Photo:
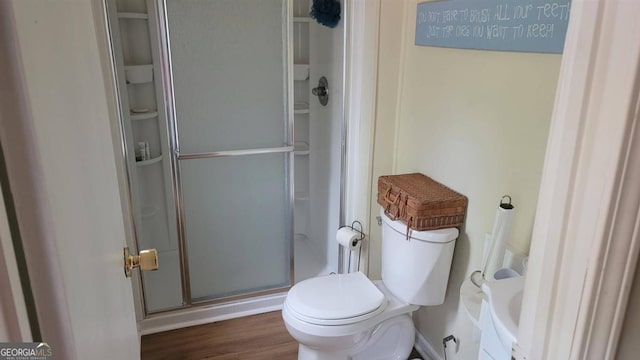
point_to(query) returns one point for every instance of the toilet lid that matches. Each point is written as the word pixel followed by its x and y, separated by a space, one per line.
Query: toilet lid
pixel 335 297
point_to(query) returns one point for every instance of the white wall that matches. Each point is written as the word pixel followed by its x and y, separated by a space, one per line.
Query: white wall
pixel 325 130
pixel 476 121
pixel 388 90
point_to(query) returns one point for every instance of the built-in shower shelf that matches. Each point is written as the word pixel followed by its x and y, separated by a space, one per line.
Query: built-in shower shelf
pixel 301 196
pixel 301 19
pixel 149 211
pixel 138 74
pixel 301 148
pixel 301 107
pixel 149 162
pixel 300 237
pixel 300 72
pixel 132 15
pixel 143 116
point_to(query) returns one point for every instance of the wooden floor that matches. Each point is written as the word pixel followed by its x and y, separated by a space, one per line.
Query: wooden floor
pixel 249 338
pixel 257 337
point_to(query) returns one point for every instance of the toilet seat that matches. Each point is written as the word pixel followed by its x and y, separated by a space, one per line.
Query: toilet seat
pixel 335 299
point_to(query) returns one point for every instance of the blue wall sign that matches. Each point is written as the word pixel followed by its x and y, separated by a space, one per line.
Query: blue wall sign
pixel 505 25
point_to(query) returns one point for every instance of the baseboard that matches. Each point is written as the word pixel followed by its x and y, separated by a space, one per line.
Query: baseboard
pixel 425 348
pixel 208 314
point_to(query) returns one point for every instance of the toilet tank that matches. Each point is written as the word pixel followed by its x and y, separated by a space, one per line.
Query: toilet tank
pixel 416 270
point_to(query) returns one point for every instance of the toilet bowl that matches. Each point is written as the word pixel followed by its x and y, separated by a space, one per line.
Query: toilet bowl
pixel 348 316
pixel 329 326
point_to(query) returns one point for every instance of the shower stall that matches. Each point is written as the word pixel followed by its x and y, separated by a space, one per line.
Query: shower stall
pixel 234 165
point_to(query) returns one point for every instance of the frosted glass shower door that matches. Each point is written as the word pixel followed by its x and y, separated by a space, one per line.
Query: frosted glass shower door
pixel 229 62
pixel 237 227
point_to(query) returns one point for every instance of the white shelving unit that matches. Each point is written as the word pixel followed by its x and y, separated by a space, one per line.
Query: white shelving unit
pixel 301 85
pixel 317 52
pixel 137 58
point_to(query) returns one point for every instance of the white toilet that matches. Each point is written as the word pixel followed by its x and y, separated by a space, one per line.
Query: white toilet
pixel 347 316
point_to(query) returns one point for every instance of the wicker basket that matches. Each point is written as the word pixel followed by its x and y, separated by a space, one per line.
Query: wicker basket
pixel 421 202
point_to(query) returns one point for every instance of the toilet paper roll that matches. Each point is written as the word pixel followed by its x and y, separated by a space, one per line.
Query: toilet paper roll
pixel 500 236
pixel 348 238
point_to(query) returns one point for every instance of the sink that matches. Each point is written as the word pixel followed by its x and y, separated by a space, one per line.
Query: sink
pixel 504 299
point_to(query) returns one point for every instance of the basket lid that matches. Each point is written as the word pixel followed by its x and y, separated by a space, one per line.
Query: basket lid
pixel 422 187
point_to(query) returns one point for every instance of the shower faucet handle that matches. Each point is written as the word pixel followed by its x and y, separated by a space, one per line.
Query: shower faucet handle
pixel 322 91
pixel 319 91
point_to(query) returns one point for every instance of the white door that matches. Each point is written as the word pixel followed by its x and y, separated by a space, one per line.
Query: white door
pixel 59 46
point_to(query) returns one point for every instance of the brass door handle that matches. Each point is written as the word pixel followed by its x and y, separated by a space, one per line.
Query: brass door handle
pixel 147 260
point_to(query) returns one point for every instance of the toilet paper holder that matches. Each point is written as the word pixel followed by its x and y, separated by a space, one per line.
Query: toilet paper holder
pixel 359 231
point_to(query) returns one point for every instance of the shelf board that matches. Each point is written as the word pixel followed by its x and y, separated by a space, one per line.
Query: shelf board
pixel 149 162
pixel 132 15
pixel 143 116
pixel 301 107
pixel 301 148
pixel 300 72
pixel 138 74
pixel 139 66
pixel 301 19
pixel 149 211
pixel 300 237
pixel 301 196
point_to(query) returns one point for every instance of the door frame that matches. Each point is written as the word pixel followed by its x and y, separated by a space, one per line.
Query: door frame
pixel 585 244
pixel 14 321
